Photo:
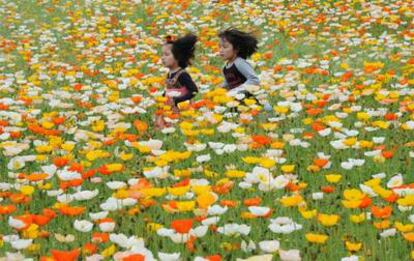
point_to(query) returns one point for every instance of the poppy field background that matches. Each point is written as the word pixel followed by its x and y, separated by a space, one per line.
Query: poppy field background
pixel 327 175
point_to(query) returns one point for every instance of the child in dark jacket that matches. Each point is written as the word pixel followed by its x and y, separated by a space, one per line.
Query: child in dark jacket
pixel 176 56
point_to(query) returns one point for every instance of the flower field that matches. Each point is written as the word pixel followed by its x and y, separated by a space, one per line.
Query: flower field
pixel 85 174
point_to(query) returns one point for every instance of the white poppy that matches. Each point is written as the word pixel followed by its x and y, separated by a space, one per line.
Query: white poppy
pixel 169 257
pixel 98 215
pixel 395 181
pixel 289 255
pixel 111 204
pixel 248 247
pixel 66 175
pixel 367 190
pixel 179 238
pixel 16 163
pixel 10 238
pixel 317 195
pixel 165 232
pixel 267 257
pixel 203 158
pixel 152 144
pixel 95 257
pixel 107 226
pixel 245 185
pixel 233 229
pixel 20 244
pixel 388 232
pixel 280 182
pixel 259 211
pixel 114 185
pixel 85 194
pixel 215 210
pixel 378 140
pixel 83 225
pixel 350 258
pixel 156 172
pixel 16 223
pixel 379 175
pixel 347 165
pixel 199 231
pixel 210 221
pixel 64 198
pixel 269 246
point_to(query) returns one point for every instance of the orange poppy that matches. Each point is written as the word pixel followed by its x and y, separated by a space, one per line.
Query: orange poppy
pixel 71 211
pixel 384 212
pixel 140 126
pixel 76 167
pixel 36 177
pixel 134 257
pixel 223 189
pixel 89 248
pixel 182 226
pixel 8 209
pixel 261 139
pixel 387 154
pixel 4 123
pixel 252 202
pixel 60 161
pixel 390 116
pixel 71 183
pixel 391 198
pixel 328 189
pixel 190 243
pixel 346 76
pixel 292 187
pixel 317 126
pixel 15 134
pixel 320 162
pixel 228 203
pixel 100 237
pixel 59 255
pixel 19 198
pixel 88 174
pixel 41 220
pixel 365 202
pixel 49 213
pixel 58 120
pixel 213 258
pixel 3 107
pixel 314 111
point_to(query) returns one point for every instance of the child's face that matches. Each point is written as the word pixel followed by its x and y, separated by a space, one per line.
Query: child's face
pixel 226 50
pixel 167 57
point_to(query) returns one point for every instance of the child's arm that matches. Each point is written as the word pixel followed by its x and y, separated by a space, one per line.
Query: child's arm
pixel 185 80
pixel 225 84
pixel 247 70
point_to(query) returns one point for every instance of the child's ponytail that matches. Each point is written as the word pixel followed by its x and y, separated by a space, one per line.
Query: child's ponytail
pixel 183 49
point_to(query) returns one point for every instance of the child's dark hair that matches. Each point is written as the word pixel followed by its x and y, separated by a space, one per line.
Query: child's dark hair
pixel 183 48
pixel 244 43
